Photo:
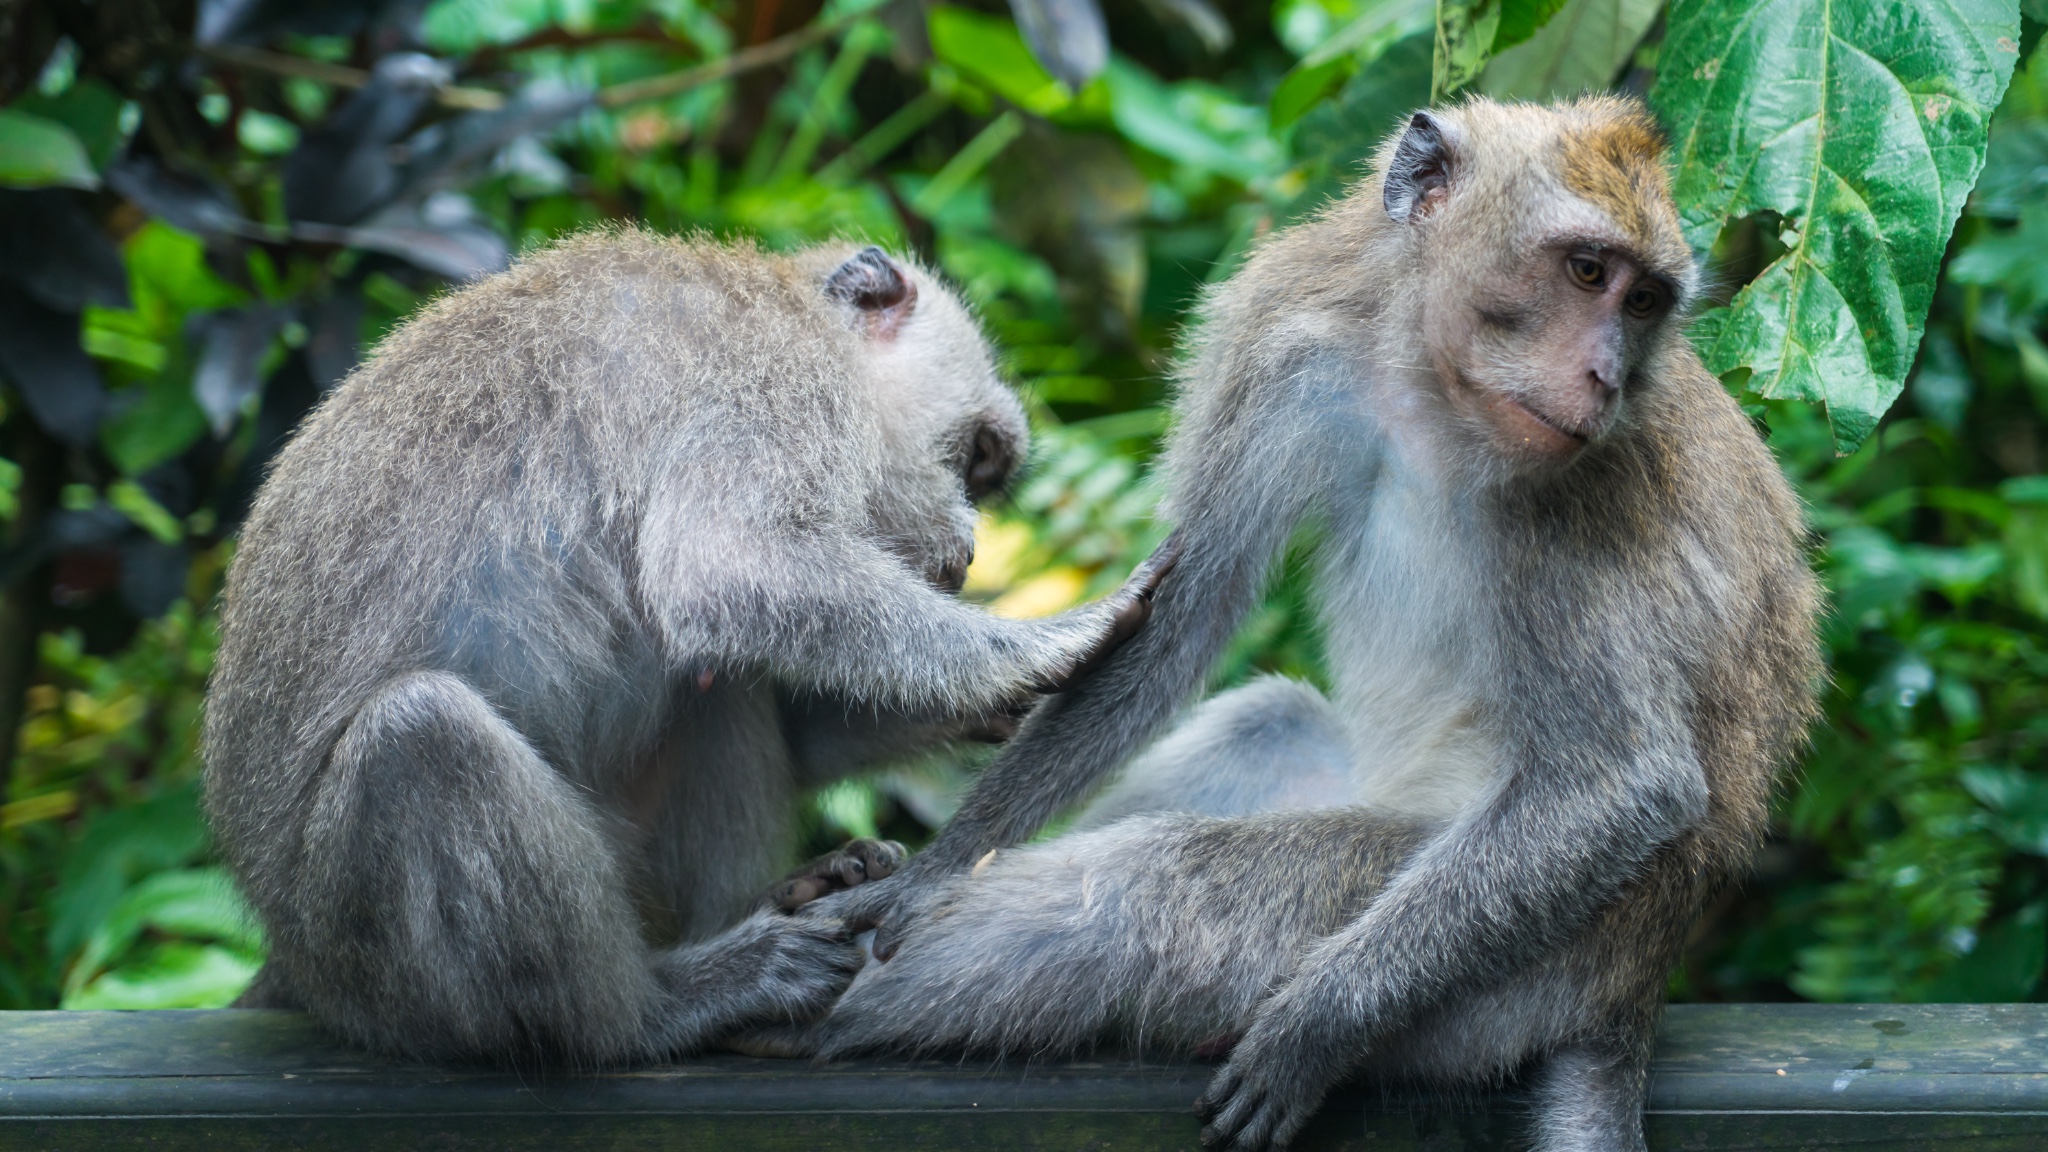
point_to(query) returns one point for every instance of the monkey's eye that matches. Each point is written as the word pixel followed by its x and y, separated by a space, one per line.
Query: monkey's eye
pixel 1643 301
pixel 1588 271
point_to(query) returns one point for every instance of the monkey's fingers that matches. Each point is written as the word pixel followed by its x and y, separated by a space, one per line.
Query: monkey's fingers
pixel 1131 608
pixel 1231 1118
pixel 1157 567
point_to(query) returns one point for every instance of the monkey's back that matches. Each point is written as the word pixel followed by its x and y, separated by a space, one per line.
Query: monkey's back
pixel 469 501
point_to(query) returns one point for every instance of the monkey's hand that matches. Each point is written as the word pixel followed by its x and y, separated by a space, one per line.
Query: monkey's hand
pixel 1126 611
pixel 1269 1088
pixel 856 862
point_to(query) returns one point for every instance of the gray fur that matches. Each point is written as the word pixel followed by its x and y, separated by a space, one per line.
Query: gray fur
pixel 548 612
pixel 1564 678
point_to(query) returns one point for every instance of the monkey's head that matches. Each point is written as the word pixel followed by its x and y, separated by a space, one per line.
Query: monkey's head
pixel 1549 264
pixel 953 433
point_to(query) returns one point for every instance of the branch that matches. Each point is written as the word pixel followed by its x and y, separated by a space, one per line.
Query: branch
pixel 745 60
pixel 484 99
pixel 339 75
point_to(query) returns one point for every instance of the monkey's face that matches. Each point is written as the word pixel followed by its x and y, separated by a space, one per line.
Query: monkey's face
pixel 1551 263
pixel 952 433
pixel 1543 359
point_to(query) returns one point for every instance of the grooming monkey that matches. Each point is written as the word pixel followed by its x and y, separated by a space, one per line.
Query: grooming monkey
pixel 546 615
pixel 1571 637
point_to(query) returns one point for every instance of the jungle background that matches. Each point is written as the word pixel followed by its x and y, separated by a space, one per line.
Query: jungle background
pixel 210 210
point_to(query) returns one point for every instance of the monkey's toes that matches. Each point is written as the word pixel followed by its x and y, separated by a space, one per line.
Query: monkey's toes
pixel 856 863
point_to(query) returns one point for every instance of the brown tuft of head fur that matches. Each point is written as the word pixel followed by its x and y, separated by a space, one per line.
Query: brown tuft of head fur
pixel 1611 154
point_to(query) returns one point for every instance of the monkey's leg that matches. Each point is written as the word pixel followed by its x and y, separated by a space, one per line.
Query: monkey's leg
pixel 1163 930
pixel 456 897
pixel 1272 745
pixel 1589 1096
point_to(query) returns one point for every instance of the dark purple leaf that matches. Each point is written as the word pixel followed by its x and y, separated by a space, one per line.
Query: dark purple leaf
pixel 442 236
pixel 40 356
pixel 442 154
pixel 152 575
pixel 232 346
pixel 343 169
pixel 333 344
pixel 50 245
pixel 256 21
pixel 182 201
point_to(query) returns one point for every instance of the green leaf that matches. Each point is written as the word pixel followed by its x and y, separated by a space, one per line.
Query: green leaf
pixel 1582 48
pixel 2003 965
pixel 1464 36
pixel 1189 123
pixel 2012 260
pixel 1305 87
pixel 990 50
pixel 1355 46
pixel 194 903
pixel 1521 19
pixel 2018 800
pixel 1859 123
pixel 38 153
pixel 90 109
pixel 115 848
pixel 175 974
pixel 160 421
pixel 2016 162
pixel 1338 137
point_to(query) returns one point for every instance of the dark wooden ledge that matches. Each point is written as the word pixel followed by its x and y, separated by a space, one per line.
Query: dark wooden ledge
pixel 1871 1077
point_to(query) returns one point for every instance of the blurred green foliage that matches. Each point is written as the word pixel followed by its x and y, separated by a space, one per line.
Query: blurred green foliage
pixel 1083 225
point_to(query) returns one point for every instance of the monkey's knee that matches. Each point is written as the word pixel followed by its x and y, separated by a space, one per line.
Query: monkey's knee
pixel 455 897
pixel 1272 745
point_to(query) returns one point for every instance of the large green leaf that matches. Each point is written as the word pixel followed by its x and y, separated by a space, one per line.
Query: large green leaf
pixel 990 51
pixel 36 152
pixel 188 904
pixel 1464 37
pixel 1582 48
pixel 1470 31
pixel 1861 125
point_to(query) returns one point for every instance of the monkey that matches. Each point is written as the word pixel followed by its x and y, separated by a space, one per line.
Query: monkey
pixel 1570 631
pixel 546 614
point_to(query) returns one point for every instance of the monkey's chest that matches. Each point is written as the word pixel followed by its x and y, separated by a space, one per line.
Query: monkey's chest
pixel 1405 634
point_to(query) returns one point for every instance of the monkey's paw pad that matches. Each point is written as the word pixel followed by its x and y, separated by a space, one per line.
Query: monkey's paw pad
pixel 1253 1104
pixel 855 863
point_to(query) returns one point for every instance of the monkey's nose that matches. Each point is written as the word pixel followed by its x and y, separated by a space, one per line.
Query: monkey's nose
pixel 1603 377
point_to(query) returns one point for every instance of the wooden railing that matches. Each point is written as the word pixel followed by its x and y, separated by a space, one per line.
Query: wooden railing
pixel 1875 1078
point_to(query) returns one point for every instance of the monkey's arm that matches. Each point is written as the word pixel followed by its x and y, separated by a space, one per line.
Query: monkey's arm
pixel 1595 788
pixel 827 611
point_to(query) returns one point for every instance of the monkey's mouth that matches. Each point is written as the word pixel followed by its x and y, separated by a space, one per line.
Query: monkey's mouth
pixel 1532 425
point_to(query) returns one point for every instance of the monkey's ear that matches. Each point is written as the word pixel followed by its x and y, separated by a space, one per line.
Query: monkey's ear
pixel 1421 166
pixel 872 282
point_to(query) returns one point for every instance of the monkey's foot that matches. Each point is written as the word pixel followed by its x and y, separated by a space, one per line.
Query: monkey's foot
pixel 1261 1098
pixel 855 863
pixel 767 970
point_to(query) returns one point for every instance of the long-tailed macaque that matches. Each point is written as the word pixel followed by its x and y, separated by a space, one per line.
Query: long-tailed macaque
pixel 545 616
pixel 1570 631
